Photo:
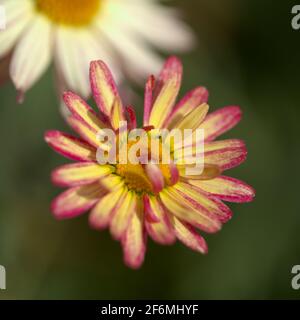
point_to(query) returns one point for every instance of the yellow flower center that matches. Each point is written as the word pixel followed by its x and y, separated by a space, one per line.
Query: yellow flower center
pixel 135 176
pixel 136 179
pixel 74 13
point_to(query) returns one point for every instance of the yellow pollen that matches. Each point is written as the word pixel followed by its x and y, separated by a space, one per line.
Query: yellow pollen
pixel 74 13
pixel 135 177
pixel 165 169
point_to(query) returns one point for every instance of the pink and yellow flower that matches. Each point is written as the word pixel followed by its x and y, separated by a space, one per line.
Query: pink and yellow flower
pixel 160 201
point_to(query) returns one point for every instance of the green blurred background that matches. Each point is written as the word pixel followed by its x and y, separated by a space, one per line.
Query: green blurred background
pixel 248 55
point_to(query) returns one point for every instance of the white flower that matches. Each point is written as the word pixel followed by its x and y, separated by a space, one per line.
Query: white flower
pixel 74 32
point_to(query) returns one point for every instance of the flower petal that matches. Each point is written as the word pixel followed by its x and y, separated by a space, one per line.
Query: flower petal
pixel 132 117
pixel 227 189
pixel 155 176
pixel 181 206
pixel 112 182
pixel 190 101
pixel 139 60
pixel 188 236
pixel 117 114
pixel 103 86
pixel 86 132
pixel 148 101
pixel 76 174
pixel 74 50
pixel 134 240
pixel 166 92
pixel 209 172
pixel 81 110
pixel 18 15
pixel 223 144
pixel 103 211
pixel 32 54
pixel 161 22
pixel 208 146
pixel 76 201
pixel 220 121
pixel 148 210
pixel 204 202
pixel 69 146
pixel 69 60
pixel 160 231
pixel 193 119
pixel 122 216
pixel 225 156
pixel 172 69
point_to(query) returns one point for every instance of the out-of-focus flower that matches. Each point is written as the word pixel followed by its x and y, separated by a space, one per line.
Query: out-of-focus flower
pixel 157 200
pixel 75 32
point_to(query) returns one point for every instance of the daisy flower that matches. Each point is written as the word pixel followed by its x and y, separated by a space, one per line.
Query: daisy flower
pixel 139 200
pixel 74 32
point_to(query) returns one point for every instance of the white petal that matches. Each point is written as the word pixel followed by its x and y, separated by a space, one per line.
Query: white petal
pixel 18 15
pixel 74 52
pixel 32 54
pixel 157 24
pixel 137 57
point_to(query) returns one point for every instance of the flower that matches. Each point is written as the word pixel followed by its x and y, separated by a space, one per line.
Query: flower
pixel 75 32
pixel 139 200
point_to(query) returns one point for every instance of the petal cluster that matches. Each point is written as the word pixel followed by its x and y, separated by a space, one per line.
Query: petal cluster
pixel 179 205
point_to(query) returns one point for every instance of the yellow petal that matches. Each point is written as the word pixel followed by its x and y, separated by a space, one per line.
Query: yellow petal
pixel 101 214
pixel 117 114
pixel 187 211
pixel 69 146
pixel 193 119
pixel 161 231
pixel 166 92
pixel 133 242
pixel 103 86
pixel 79 173
pixel 209 172
pixel 214 208
pixel 187 235
pixel 83 111
pixel 123 213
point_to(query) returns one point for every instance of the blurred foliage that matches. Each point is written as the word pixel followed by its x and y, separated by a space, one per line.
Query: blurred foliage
pixel 247 55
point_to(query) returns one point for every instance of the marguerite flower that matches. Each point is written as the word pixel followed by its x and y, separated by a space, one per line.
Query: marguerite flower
pixel 74 32
pixel 156 200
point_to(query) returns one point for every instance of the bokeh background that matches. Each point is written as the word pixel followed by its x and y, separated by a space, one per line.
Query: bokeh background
pixel 247 55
